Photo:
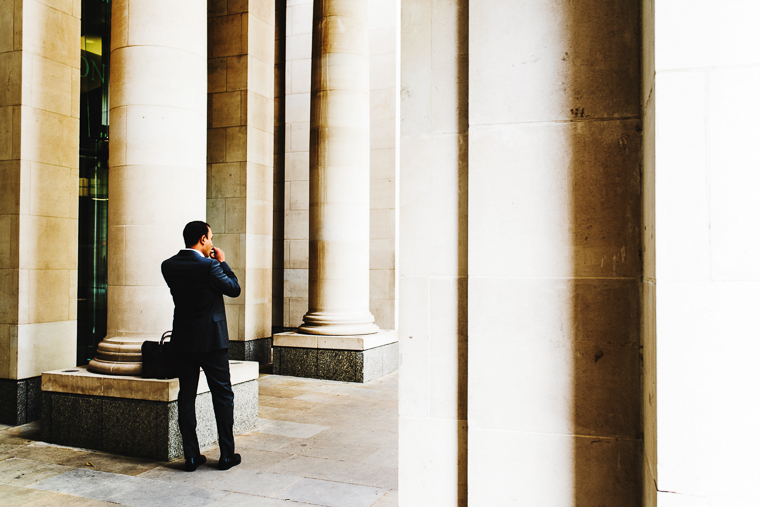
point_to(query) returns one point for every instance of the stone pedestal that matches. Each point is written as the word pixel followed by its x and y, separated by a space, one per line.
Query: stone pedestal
pixel 133 416
pixel 359 358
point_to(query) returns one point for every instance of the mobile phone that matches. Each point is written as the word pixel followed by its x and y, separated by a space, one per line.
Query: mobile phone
pixel 212 254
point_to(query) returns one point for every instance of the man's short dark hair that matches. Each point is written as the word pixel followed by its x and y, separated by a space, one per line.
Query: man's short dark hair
pixel 194 231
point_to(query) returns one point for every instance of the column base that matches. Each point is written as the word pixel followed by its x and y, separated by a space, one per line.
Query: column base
pixel 328 324
pixel 358 358
pixel 19 400
pixel 119 356
pixel 133 416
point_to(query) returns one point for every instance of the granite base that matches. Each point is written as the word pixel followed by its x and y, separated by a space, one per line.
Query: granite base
pixel 342 365
pixel 20 400
pixel 252 350
pixel 139 418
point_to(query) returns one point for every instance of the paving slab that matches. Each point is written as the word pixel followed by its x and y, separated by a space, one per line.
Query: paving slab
pixel 288 428
pixel 149 493
pixel 23 472
pixel 328 469
pixel 254 483
pixel 240 500
pixel 332 494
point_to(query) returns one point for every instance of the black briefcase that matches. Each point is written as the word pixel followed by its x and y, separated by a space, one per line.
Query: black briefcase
pixel 158 359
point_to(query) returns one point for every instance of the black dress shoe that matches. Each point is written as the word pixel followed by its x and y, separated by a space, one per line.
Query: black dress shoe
pixel 227 462
pixel 192 463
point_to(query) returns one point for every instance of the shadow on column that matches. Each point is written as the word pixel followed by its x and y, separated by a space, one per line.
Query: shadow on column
pixel 463 245
pixel 603 139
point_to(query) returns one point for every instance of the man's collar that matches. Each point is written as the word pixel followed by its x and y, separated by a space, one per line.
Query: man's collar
pixel 193 250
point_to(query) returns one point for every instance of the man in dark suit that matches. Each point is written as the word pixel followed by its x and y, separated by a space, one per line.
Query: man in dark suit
pixel 198 278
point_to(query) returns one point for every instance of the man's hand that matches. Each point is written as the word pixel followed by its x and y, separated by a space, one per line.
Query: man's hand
pixel 218 254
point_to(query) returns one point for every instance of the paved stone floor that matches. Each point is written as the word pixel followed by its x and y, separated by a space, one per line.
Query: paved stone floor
pixel 317 443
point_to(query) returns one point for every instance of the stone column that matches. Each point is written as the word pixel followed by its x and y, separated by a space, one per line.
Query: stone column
pixel 339 172
pixel 157 165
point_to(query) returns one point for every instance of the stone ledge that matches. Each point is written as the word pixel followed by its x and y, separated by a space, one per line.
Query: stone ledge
pixel 80 381
pixel 340 365
pixel 133 416
pixel 357 342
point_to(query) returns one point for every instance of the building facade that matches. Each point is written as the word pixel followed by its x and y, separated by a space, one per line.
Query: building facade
pixel 560 219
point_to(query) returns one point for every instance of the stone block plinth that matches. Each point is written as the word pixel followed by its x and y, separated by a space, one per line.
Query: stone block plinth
pixel 133 416
pixel 359 358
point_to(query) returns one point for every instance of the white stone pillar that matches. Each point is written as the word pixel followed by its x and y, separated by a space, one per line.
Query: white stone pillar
pixel 157 165
pixel 339 172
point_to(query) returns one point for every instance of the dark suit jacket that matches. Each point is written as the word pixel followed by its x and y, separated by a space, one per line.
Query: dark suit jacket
pixel 197 284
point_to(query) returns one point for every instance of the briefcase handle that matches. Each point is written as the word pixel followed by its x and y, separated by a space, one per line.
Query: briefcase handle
pixel 164 336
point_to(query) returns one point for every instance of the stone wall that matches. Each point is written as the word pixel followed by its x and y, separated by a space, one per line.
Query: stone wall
pixel 240 159
pixel 702 79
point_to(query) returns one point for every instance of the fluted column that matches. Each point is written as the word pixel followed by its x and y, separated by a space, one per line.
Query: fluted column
pixel 157 165
pixel 339 172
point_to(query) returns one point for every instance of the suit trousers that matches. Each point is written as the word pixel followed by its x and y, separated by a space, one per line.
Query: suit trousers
pixel 216 366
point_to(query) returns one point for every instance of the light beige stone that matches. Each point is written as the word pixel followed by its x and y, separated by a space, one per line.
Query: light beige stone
pixel 47 92
pixel 432 478
pixel 149 75
pixel 260 40
pixel 42 346
pixel 78 380
pixel 552 68
pixel 298 47
pixel 51 191
pixel 51 33
pixel 148 25
pixel 48 295
pixel 40 243
pixel 559 241
pixel 48 137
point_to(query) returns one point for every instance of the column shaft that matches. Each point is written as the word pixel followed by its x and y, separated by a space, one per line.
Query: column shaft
pixel 157 165
pixel 339 172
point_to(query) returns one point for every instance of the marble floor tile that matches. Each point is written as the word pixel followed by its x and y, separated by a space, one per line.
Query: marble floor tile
pixel 334 470
pixel 332 494
pixel 288 428
pixel 23 472
pixel 254 483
